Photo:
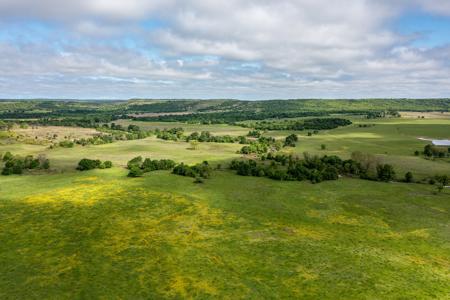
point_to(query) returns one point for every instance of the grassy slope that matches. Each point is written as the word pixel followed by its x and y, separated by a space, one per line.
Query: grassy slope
pixel 100 234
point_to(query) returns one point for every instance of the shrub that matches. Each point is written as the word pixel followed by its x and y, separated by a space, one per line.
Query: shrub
pixel 135 172
pixel 88 164
pixel 409 177
pixel 66 144
pixel 290 140
pixel 135 162
pixel 7 156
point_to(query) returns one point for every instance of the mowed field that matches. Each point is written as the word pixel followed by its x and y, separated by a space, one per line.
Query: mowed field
pixel 100 234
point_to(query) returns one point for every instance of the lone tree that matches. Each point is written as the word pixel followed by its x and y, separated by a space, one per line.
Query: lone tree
pixel 409 177
pixel 194 144
pixel 290 140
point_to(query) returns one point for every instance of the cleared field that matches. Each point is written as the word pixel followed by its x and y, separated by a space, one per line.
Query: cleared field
pixel 100 234
pixel 66 159
pixel 431 115
pixel 57 133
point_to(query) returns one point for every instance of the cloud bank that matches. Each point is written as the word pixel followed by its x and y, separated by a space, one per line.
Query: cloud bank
pixel 219 49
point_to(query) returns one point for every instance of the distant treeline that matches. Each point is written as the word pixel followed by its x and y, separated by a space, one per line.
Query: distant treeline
pixel 228 117
pixel 308 124
pixel 90 113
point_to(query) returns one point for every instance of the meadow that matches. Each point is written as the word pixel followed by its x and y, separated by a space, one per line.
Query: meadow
pixel 100 234
pixel 66 234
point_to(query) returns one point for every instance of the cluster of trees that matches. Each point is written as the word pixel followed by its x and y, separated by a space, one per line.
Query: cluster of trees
pixel 207 137
pixel 115 132
pixel 308 124
pixel 313 168
pixel 17 164
pixel 290 140
pixel 198 171
pixel 66 144
pixel 261 146
pixel 139 166
pixel 382 114
pixel 254 133
pixel 89 164
pixel 5 125
pixel 434 151
pixel 173 134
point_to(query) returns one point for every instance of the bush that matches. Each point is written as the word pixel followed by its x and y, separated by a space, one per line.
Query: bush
pixel 66 144
pixel 107 164
pixel 409 177
pixel 135 162
pixel 7 156
pixel 290 140
pixel 88 164
pixel 135 172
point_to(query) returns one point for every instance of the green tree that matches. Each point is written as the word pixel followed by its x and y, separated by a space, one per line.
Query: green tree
pixel 409 177
pixel 385 172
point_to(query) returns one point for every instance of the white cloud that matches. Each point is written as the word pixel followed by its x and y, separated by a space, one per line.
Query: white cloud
pixel 302 48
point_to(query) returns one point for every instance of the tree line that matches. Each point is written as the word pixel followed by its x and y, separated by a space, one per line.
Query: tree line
pixel 307 124
pixel 313 168
pixel 139 166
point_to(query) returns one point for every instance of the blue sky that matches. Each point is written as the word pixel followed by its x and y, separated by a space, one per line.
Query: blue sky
pixel 116 49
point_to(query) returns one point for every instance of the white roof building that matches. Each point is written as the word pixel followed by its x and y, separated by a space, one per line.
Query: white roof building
pixel 441 142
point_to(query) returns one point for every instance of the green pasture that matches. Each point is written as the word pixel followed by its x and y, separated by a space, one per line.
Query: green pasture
pixel 121 152
pixel 99 234
pixel 392 140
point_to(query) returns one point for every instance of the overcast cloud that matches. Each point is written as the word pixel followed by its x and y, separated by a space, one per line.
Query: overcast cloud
pixel 223 49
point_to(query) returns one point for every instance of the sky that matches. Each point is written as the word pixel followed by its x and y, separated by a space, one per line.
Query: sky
pixel 241 49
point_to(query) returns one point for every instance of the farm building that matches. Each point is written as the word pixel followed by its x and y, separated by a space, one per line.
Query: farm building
pixel 444 143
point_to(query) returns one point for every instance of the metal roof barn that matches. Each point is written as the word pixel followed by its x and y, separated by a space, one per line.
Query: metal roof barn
pixel 441 142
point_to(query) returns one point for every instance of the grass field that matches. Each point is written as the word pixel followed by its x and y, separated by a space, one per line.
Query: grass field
pixel 392 140
pixel 101 235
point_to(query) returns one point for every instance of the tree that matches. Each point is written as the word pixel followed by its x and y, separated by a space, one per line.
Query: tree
pixel 440 187
pixel 385 172
pixel 135 162
pixel 135 172
pixel 194 144
pixel 290 140
pixel 108 164
pixel 7 156
pixel 323 147
pixel 409 177
pixel 45 164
